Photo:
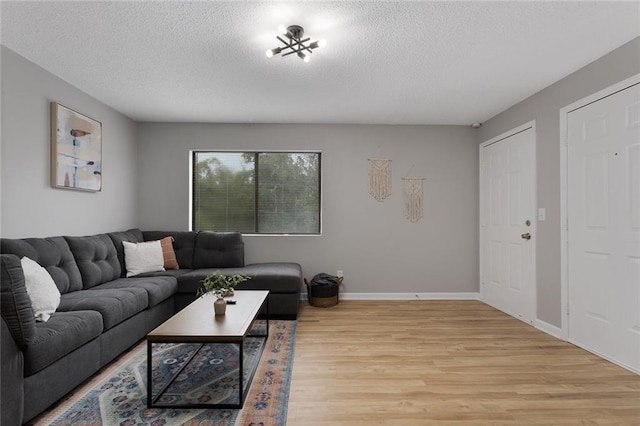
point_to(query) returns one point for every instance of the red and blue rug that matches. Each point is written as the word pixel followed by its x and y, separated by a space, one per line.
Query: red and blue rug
pixel 117 395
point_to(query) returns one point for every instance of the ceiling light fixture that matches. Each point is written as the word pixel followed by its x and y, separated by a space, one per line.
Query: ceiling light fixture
pixel 294 43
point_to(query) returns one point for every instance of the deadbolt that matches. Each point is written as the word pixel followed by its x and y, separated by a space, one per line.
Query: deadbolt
pixel 526 236
pixel 527 222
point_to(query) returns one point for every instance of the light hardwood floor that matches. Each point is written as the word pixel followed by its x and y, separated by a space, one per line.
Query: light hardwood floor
pixel 447 362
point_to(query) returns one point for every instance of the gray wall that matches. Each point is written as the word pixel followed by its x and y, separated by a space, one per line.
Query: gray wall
pixel 544 107
pixel 29 205
pixel 378 249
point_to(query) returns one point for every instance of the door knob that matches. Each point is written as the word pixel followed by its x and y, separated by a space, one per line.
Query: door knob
pixel 526 236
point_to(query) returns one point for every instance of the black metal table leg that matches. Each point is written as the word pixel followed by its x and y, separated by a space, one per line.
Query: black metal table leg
pixel 149 372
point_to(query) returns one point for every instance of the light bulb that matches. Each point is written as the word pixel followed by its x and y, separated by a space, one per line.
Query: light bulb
pixel 306 58
pixel 282 29
pixel 272 52
pixel 319 43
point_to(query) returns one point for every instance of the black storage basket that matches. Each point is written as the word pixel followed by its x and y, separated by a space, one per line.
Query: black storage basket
pixel 323 296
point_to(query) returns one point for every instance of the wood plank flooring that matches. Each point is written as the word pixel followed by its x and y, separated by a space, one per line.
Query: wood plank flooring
pixel 447 362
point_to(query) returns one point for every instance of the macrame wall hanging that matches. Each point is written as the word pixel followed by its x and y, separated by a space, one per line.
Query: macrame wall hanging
pixel 413 198
pixel 379 170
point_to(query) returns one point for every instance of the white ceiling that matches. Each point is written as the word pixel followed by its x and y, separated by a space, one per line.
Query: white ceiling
pixel 386 62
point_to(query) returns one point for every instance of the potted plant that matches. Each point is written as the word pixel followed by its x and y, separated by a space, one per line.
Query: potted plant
pixel 221 286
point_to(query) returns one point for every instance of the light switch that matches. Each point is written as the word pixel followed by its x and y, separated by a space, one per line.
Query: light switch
pixel 542 214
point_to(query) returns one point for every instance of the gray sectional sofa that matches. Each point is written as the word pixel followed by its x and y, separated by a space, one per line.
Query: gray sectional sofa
pixel 102 313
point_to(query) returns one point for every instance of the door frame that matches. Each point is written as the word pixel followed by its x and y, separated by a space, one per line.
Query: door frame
pixel 482 199
pixel 564 191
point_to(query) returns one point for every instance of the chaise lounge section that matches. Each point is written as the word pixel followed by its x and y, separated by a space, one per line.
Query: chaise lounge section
pixel 202 253
pixel 102 313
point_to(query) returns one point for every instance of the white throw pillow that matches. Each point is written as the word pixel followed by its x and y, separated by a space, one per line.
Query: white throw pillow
pixel 42 290
pixel 143 257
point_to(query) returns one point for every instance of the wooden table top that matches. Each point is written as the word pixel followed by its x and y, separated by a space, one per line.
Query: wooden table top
pixel 198 323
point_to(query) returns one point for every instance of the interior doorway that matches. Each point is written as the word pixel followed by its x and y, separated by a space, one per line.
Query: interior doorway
pixel 601 209
pixel 507 222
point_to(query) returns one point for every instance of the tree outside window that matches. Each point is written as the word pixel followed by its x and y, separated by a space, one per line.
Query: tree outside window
pixel 257 192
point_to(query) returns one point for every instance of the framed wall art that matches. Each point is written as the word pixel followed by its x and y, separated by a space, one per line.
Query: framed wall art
pixel 76 150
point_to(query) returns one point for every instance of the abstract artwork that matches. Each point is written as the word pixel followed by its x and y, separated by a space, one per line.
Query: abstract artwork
pixel 379 173
pixel 413 198
pixel 76 150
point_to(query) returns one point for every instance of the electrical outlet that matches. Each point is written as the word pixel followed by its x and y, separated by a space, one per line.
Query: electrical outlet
pixel 340 274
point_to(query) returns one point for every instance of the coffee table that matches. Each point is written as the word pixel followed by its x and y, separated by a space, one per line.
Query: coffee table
pixel 197 324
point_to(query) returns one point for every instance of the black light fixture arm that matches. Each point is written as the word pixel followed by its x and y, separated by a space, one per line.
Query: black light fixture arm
pixel 295 46
pixel 294 43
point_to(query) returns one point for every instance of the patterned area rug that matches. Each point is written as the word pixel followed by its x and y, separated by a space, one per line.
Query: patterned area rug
pixel 117 395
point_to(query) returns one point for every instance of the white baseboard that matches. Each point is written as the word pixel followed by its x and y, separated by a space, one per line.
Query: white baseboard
pixel 404 296
pixel 607 357
pixel 548 328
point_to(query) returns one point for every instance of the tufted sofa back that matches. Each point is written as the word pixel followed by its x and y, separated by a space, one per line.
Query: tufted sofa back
pixel 96 257
pixel 218 250
pixel 77 263
pixel 52 253
pixel 183 244
pixel 132 236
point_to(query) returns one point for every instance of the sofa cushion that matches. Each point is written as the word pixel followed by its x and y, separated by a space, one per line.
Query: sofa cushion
pixel 96 257
pixel 42 291
pixel 183 245
pixel 168 253
pixel 51 253
pixel 143 257
pixel 158 288
pixel 132 236
pixel 115 305
pixel 218 250
pixel 62 334
pixel 275 277
pixel 15 305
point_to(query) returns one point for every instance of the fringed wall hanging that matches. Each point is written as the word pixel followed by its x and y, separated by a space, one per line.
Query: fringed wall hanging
pixel 413 198
pixel 379 170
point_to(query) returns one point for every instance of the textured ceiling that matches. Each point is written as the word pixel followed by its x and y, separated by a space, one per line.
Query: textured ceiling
pixel 386 62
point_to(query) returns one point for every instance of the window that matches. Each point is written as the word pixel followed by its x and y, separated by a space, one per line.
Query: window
pixel 256 192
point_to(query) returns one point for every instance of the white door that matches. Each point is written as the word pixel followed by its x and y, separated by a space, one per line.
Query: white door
pixel 507 223
pixel 603 210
